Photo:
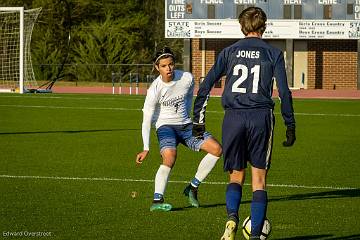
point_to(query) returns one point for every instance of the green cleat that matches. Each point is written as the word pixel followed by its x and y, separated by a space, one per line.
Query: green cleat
pixel 230 230
pixel 160 207
pixel 191 193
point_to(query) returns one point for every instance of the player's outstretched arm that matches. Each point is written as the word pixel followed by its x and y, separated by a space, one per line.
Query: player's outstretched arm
pixel 203 94
pixel 287 109
pixel 140 157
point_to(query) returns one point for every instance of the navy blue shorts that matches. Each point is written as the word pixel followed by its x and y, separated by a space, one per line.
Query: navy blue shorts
pixel 247 136
pixel 169 136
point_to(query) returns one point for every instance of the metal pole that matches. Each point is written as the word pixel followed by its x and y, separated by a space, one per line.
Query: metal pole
pixel 137 80
pixel 120 89
pixel 137 84
pixel 21 53
pixel 147 81
pixel 130 84
pixel 113 82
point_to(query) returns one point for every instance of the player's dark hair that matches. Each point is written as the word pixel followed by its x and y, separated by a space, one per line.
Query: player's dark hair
pixel 164 53
pixel 252 19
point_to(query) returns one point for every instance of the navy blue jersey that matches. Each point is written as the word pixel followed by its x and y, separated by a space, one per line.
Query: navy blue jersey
pixel 250 66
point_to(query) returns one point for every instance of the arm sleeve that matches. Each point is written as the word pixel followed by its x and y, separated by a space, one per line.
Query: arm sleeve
pixel 287 110
pixel 148 112
pixel 214 75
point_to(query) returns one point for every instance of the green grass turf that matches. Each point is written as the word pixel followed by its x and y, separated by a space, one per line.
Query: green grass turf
pixel 90 141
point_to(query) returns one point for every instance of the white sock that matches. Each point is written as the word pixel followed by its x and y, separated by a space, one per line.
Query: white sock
pixel 205 166
pixel 161 179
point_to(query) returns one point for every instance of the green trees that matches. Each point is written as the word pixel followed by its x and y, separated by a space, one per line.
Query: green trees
pixel 100 45
pixel 103 34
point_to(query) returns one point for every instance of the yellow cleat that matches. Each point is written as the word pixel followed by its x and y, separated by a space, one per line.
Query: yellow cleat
pixel 230 230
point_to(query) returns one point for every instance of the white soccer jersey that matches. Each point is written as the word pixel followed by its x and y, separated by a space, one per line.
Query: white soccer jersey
pixel 167 103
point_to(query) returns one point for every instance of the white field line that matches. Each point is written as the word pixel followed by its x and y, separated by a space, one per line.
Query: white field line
pixel 173 181
pixel 312 114
pixel 75 98
pixel 64 107
pixel 138 109
pixel 142 97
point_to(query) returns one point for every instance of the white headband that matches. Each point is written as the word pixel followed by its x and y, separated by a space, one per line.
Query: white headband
pixel 162 55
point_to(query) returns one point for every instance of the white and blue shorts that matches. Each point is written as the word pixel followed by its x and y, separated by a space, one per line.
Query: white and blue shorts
pixel 169 136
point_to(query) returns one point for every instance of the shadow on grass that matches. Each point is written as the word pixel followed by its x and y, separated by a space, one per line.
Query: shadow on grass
pixel 201 206
pixel 296 197
pixel 177 209
pixel 213 205
pixel 345 193
pixel 71 131
pixel 323 237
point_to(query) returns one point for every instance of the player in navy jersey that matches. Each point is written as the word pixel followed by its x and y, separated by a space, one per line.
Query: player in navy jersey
pixel 168 104
pixel 250 66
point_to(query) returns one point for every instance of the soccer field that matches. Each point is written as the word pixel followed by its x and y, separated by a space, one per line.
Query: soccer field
pixel 68 172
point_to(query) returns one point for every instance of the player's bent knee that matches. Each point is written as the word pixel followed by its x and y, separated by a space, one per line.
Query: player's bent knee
pixel 169 157
pixel 169 162
pixel 213 147
pixel 218 150
pixel 169 165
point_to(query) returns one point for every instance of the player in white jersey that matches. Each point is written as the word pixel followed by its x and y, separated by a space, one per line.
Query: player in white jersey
pixel 168 104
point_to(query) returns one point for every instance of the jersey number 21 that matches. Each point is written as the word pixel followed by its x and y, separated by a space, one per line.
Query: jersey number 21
pixel 244 75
